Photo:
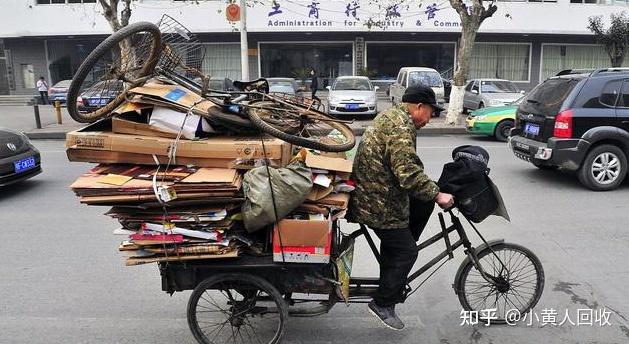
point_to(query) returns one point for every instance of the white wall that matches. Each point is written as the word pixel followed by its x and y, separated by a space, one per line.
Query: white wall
pixel 25 18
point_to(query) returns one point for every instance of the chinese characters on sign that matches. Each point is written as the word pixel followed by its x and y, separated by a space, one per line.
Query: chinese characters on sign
pixel 276 9
pixel 314 10
pixel 546 317
pixel 351 9
pixel 431 10
pixel 351 13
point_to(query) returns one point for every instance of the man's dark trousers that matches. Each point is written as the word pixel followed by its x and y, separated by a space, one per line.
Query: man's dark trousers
pixel 398 253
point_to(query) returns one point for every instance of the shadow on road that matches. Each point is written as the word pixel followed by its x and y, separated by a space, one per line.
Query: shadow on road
pixel 17 189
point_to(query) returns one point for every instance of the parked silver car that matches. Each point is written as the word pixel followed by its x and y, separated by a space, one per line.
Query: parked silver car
pixel 480 93
pixel 283 85
pixel 352 95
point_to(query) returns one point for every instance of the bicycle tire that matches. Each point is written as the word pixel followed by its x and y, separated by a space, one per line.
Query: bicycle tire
pixel 238 279
pixel 533 299
pixel 275 130
pixel 92 59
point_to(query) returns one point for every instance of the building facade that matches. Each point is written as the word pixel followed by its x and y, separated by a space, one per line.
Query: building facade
pixel 524 41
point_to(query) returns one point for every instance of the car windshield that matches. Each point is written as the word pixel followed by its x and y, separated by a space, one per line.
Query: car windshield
pixel 430 79
pixel 63 84
pixel 498 87
pixel 352 84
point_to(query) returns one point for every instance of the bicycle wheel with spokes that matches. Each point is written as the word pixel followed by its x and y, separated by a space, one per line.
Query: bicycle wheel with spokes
pixel 518 281
pixel 300 126
pixel 101 82
pixel 236 308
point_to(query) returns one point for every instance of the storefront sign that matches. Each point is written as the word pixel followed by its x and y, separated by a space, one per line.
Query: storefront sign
pixel 355 15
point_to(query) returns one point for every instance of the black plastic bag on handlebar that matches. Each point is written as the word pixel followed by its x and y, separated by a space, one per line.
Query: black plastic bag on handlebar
pixel 467 178
pixel 258 85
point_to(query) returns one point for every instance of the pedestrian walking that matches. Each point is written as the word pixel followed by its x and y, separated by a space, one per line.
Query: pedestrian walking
pixel 314 85
pixel 42 87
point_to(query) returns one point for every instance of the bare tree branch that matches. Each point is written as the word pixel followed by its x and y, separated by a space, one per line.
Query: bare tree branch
pixel 460 8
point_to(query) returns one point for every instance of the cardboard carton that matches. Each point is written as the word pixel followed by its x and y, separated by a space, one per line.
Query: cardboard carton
pixel 136 124
pixel 302 241
pixel 98 136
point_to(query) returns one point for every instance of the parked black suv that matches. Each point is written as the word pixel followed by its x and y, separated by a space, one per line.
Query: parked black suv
pixel 578 122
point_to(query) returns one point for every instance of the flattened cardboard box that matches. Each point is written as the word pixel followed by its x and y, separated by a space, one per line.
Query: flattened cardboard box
pixel 98 136
pixel 108 157
pixel 131 124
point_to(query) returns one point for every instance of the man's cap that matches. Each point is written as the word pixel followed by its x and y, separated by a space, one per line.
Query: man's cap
pixel 421 94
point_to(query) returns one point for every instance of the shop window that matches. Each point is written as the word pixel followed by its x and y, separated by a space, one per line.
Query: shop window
pixel 559 57
pixel 500 61
pixel 386 59
pixel 28 75
pixel 295 60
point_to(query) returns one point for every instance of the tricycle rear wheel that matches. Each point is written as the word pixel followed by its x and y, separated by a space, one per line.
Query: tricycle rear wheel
pixel 236 308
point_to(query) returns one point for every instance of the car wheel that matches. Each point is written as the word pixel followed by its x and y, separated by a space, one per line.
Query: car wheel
pixel 503 129
pixel 481 105
pixel 604 168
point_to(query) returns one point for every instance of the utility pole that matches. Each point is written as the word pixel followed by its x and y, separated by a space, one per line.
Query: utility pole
pixel 244 45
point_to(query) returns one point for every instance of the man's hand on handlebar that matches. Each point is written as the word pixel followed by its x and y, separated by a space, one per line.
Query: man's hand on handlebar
pixel 444 200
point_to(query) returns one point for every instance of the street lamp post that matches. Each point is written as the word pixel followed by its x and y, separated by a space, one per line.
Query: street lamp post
pixel 244 45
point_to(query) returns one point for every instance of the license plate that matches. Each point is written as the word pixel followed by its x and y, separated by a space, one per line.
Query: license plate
pixel 532 129
pixel 24 164
pixel 99 101
pixel 351 106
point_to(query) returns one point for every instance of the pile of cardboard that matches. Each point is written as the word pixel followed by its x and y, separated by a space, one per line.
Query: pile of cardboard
pixel 174 183
pixel 305 235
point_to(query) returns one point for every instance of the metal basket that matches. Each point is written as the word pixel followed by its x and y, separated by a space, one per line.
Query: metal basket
pixel 183 53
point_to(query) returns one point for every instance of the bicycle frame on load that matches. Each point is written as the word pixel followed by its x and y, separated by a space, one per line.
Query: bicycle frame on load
pixel 313 278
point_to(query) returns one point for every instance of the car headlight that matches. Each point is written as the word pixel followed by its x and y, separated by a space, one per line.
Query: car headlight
pixel 333 99
pixel 479 118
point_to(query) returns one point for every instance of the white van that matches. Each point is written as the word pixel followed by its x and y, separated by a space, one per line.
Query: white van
pixel 409 76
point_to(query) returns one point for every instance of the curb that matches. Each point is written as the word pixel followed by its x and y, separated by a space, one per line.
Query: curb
pixel 61 135
pixel 49 135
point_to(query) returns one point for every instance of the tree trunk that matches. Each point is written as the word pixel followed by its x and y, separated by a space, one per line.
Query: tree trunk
pixel 617 61
pixel 455 108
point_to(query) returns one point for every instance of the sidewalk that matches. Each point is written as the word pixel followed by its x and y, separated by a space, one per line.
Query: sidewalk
pixel 22 118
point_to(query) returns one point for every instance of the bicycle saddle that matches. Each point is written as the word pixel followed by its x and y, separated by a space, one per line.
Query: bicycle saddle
pixel 260 85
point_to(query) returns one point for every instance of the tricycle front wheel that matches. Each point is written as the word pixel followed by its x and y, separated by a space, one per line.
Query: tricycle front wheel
pixel 516 287
pixel 236 308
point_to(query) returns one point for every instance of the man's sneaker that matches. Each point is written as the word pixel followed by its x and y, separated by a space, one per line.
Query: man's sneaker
pixel 386 315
